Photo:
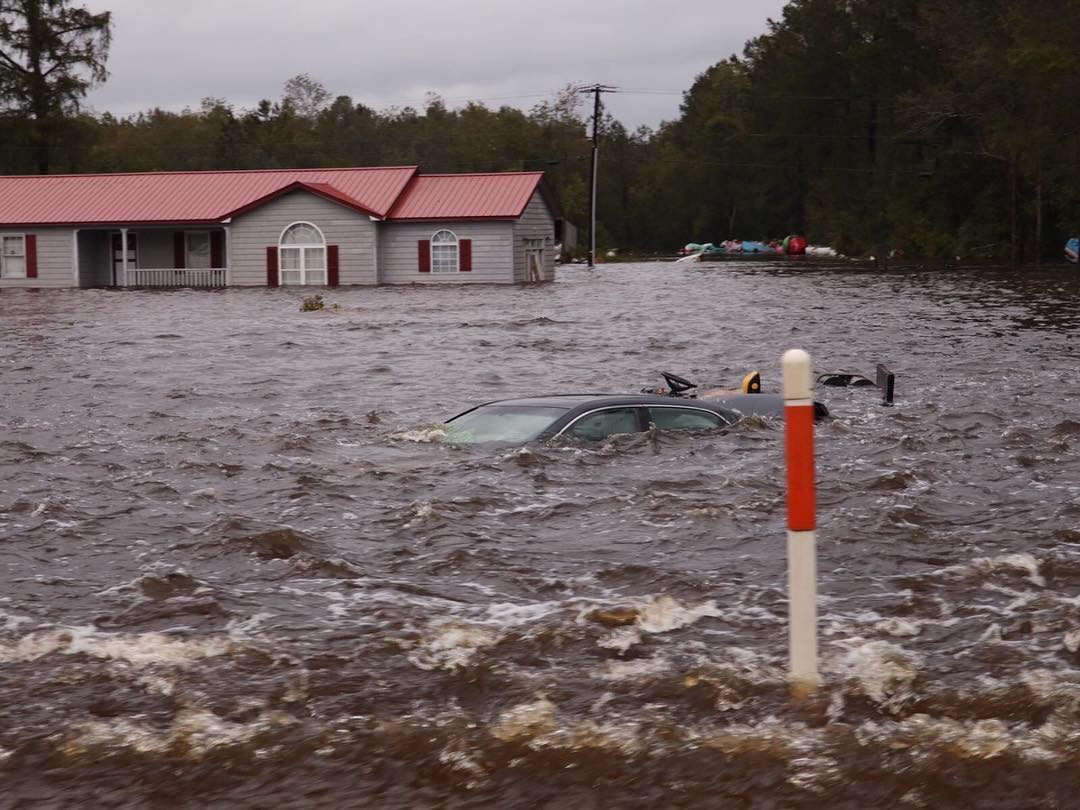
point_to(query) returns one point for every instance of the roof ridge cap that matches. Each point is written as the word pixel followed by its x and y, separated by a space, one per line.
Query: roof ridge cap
pixel 207 171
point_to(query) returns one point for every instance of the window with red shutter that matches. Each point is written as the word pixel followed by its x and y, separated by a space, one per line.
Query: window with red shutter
pixel 18 255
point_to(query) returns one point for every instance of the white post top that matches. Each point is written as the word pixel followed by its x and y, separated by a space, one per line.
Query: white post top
pixel 796 368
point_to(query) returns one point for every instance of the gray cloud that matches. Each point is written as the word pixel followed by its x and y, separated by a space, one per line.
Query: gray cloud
pixel 172 54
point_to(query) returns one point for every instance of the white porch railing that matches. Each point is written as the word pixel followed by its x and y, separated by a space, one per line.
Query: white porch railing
pixel 187 277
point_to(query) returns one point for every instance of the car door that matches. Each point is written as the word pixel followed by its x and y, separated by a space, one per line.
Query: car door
pixel 600 424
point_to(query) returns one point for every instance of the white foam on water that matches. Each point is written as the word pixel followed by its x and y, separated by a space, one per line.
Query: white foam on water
pixel 425 434
pixel 537 724
pixel 1071 640
pixel 894 626
pixel 421 511
pixel 886 625
pixel 1022 562
pixel 138 649
pixel 1056 688
pixel 511 614
pixel 884 672
pixel 244 628
pixel 451 645
pixel 922 735
pixel 461 761
pixel 621 639
pixel 663 614
pixel 11 621
pixel 742 667
pixel 192 733
pixel 641 669
pixel 813 773
pixel 769 735
pixel 526 720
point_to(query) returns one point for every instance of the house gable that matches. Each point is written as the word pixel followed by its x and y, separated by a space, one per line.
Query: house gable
pixel 534 228
pixel 353 232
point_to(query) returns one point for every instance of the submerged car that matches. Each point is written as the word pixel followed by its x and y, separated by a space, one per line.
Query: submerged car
pixel 594 417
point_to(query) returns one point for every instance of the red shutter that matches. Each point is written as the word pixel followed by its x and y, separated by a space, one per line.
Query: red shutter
pixel 423 255
pixel 332 266
pixel 465 257
pixel 271 267
pixel 179 249
pixel 31 256
pixel 217 248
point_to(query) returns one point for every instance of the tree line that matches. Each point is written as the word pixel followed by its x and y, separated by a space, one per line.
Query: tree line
pixel 938 128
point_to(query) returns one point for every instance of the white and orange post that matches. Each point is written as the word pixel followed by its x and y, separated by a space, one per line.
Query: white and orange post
pixel 801 519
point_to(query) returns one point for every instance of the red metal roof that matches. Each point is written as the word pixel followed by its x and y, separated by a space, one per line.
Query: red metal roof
pixel 93 199
pixel 467 196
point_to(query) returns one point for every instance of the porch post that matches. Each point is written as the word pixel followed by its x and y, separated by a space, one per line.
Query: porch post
pixel 75 257
pixel 123 255
pixel 228 257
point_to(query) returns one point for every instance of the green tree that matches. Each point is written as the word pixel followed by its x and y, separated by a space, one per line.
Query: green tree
pixel 51 53
pixel 1004 99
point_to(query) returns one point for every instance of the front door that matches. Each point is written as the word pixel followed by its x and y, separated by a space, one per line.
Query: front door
pixel 118 256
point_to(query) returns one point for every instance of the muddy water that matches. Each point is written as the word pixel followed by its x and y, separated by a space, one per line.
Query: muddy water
pixel 236 571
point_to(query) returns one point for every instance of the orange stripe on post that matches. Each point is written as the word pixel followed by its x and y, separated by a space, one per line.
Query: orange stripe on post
pixel 799 454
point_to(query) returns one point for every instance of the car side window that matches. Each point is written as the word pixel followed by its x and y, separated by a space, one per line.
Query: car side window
pixel 684 419
pixel 601 424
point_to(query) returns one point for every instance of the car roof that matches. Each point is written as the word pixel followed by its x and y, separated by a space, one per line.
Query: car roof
pixel 569 401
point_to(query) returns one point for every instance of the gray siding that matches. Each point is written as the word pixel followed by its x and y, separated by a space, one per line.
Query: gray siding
pixel 250 234
pixel 492 252
pixel 55 258
pixel 536 222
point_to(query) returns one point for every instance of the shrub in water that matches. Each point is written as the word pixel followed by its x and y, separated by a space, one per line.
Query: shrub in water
pixel 312 303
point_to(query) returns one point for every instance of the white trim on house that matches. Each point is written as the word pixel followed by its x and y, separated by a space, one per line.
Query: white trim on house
pixel 450 259
pixel 124 256
pixel 307 253
pixel 5 256
pixel 226 251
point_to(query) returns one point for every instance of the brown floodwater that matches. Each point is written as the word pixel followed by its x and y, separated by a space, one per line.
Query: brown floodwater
pixel 238 569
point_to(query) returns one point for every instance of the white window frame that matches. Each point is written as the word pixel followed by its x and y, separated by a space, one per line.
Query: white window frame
pixel 304 248
pixel 442 264
pixel 187 250
pixel 4 273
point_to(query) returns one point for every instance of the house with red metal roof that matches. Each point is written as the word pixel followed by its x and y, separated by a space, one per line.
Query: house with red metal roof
pixel 321 227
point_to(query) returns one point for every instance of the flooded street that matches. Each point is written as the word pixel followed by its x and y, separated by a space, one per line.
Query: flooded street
pixel 236 569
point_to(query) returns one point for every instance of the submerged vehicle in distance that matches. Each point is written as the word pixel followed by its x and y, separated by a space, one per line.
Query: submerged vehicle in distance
pixel 675 406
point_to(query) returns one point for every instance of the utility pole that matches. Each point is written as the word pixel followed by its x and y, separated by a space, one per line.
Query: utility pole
pixel 596 90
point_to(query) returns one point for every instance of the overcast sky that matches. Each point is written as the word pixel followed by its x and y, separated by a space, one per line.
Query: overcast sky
pixel 174 53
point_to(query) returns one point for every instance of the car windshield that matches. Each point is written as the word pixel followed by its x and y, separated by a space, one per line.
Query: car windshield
pixel 501 423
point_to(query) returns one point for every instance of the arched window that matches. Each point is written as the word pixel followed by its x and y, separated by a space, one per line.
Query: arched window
pixel 444 252
pixel 302 255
